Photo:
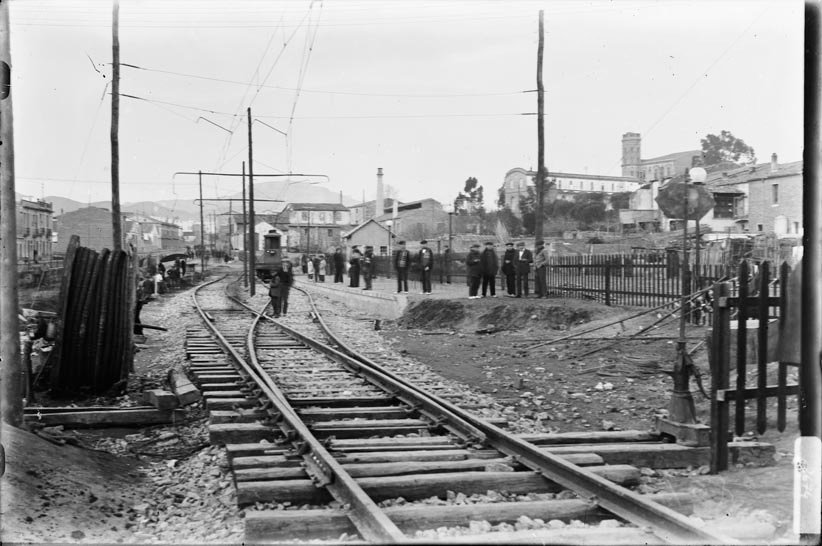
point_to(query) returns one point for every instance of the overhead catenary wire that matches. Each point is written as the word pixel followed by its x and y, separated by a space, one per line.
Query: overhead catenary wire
pixel 345 116
pixel 333 92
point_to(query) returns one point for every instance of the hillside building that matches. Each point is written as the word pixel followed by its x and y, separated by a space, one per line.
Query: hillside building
pixel 34 231
pixel 315 227
pixel 764 198
pixel 656 168
pixel 568 185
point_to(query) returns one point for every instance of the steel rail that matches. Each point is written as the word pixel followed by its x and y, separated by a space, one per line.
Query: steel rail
pixel 666 523
pixel 419 400
pixel 324 470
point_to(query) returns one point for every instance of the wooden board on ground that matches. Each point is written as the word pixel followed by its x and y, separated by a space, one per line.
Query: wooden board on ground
pixel 124 417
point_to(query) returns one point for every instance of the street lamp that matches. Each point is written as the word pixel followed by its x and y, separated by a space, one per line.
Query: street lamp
pixel 449 208
pixel 388 224
pixel 698 176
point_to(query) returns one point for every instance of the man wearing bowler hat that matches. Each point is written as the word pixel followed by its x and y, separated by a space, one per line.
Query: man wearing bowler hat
pixel 402 260
pixel 523 262
pixel 426 260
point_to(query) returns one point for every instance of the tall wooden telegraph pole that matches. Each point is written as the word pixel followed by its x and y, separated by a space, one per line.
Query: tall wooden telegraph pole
pixel 252 254
pixel 11 378
pixel 115 128
pixel 540 181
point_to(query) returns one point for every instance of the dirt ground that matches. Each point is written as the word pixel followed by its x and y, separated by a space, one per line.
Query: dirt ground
pixel 57 493
pixel 600 383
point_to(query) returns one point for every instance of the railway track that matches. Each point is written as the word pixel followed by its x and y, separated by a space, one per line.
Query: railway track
pixel 327 443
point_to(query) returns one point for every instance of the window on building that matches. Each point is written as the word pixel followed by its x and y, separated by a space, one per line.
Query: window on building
pixel 724 206
pixel 591 184
pixel 330 232
pixel 337 216
pixel 304 215
pixel 760 227
pixel 775 194
pixel 383 251
pixel 796 227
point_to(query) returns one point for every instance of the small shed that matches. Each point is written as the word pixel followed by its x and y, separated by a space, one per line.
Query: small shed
pixel 370 233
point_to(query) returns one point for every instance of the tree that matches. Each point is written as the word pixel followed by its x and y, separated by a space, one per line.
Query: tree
pixel 726 147
pixel 470 199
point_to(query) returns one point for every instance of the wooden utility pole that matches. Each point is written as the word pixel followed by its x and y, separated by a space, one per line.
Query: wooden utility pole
pixel 202 229
pixel 116 222
pixel 11 369
pixel 808 448
pixel 252 255
pixel 540 181
pixel 245 235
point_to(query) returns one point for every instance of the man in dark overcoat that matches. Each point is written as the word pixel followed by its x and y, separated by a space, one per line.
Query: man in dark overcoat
pixel 339 265
pixel 354 270
pixel 490 266
pixel 509 270
pixel 402 261
pixel 425 258
pixel 367 264
pixel 473 265
pixel 524 259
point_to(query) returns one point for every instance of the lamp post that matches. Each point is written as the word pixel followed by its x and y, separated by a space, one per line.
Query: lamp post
pixel 698 176
pixel 388 224
pixel 449 208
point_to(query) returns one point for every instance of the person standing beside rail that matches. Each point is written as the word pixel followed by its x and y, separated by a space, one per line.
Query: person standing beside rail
pixel 473 263
pixel 540 261
pixel 339 265
pixel 426 260
pixel 367 265
pixel 490 266
pixel 509 270
pixel 402 260
pixel 523 263
pixel 354 269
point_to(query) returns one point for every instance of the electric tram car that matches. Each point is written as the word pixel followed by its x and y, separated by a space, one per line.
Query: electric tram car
pixel 272 256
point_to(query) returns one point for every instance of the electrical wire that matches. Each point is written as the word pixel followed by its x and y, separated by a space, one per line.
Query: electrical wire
pixel 326 92
pixel 300 80
pixel 352 116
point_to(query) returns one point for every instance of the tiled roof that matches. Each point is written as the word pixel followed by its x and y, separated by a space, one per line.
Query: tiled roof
pixel 317 206
pixel 762 171
pixel 675 155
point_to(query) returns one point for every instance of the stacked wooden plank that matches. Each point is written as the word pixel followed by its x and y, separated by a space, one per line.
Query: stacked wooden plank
pixel 94 345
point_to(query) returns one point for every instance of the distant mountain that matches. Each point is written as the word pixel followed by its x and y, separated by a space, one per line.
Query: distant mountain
pixel 185 209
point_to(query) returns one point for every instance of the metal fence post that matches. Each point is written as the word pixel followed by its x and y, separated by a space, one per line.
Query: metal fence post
pixel 608 284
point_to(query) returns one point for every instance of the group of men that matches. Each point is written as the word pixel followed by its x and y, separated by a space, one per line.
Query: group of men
pixel 516 267
pixel 402 263
pixel 362 264
pixel 482 266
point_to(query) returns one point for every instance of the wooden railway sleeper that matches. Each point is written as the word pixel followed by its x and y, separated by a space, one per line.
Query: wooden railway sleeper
pixel 665 522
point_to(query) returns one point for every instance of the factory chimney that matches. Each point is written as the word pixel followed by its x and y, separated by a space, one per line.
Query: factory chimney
pixel 379 205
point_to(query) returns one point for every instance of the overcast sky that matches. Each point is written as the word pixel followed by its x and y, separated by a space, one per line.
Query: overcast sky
pixel 431 91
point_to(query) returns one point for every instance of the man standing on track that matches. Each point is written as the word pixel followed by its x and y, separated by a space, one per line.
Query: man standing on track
pixel 509 269
pixel 274 294
pixel 339 265
pixel 426 261
pixel 490 266
pixel 523 263
pixel 286 280
pixel 402 260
